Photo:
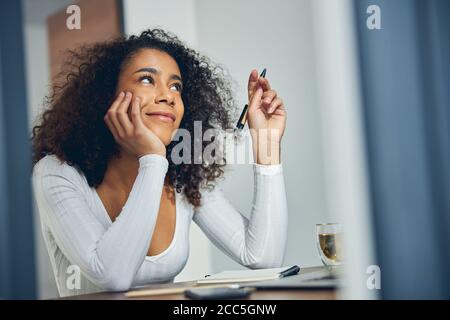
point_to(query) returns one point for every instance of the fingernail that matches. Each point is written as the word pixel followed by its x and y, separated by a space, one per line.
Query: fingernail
pixel 128 94
pixel 121 94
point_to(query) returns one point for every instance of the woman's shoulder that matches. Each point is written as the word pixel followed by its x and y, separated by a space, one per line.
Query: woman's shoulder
pixel 51 165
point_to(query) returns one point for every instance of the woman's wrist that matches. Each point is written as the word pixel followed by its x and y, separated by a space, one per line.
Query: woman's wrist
pixel 152 159
pixel 267 152
pixel 266 145
pixel 159 151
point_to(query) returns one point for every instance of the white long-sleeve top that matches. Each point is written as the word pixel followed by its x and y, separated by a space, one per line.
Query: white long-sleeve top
pixel 90 253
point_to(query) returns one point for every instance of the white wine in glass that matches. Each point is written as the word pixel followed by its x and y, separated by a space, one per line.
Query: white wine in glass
pixel 329 243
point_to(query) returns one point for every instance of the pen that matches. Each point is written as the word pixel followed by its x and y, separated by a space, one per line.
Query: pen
pixel 243 118
pixel 290 272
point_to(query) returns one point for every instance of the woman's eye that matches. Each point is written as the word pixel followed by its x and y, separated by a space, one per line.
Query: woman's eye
pixel 176 86
pixel 146 79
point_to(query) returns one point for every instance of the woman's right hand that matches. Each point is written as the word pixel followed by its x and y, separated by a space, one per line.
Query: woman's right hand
pixel 132 135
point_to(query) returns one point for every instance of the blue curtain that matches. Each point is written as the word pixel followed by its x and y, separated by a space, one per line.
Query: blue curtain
pixel 405 70
pixel 17 259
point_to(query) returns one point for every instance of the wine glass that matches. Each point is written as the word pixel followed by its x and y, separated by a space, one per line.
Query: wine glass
pixel 329 244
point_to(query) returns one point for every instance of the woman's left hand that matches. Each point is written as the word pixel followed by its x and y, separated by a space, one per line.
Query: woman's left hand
pixel 266 109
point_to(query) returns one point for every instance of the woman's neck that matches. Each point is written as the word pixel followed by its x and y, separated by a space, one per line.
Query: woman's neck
pixel 122 172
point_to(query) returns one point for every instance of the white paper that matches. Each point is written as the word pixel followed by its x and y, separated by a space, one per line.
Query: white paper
pixel 243 275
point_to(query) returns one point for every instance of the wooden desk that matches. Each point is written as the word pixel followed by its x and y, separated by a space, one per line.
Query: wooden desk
pixel 287 294
pixel 256 295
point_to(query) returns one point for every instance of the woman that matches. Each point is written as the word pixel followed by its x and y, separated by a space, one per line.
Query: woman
pixel 113 205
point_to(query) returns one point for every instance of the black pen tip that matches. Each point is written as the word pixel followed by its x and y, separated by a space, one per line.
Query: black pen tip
pixel 263 73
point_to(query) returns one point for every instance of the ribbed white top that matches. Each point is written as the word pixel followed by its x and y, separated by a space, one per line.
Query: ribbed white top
pixel 111 256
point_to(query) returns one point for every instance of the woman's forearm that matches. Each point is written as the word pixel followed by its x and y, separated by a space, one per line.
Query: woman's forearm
pixel 108 257
pixel 260 240
pixel 266 150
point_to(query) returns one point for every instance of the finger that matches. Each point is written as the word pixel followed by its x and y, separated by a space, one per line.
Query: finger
pixel 118 100
pixel 252 82
pixel 268 97
pixel 112 109
pixel 113 115
pixel 136 117
pixel 256 99
pixel 276 104
pixel 264 83
pixel 124 119
pixel 111 128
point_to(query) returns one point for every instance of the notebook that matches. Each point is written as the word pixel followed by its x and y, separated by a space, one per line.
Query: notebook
pixel 234 276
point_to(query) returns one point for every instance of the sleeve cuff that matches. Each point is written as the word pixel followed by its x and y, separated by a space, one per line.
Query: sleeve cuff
pixel 153 159
pixel 268 170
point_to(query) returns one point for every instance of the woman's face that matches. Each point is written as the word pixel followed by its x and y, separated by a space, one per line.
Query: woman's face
pixel 155 78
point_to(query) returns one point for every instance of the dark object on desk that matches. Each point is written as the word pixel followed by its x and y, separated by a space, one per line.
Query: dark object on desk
pixel 290 272
pixel 308 278
pixel 295 282
pixel 217 293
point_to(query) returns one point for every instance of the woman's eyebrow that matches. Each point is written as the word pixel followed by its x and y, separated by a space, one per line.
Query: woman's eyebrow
pixel 157 72
pixel 151 70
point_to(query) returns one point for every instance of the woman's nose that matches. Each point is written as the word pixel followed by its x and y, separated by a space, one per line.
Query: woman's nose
pixel 165 96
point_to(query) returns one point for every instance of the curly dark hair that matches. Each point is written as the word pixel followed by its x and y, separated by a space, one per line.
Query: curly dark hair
pixel 72 126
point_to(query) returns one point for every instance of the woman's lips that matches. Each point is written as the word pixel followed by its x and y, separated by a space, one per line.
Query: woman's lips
pixel 163 116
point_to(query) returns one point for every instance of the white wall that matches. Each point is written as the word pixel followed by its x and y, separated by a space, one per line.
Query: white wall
pixel 177 16
pixel 277 35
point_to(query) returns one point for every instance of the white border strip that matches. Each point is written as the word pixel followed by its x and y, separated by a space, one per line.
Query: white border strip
pixel 342 128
